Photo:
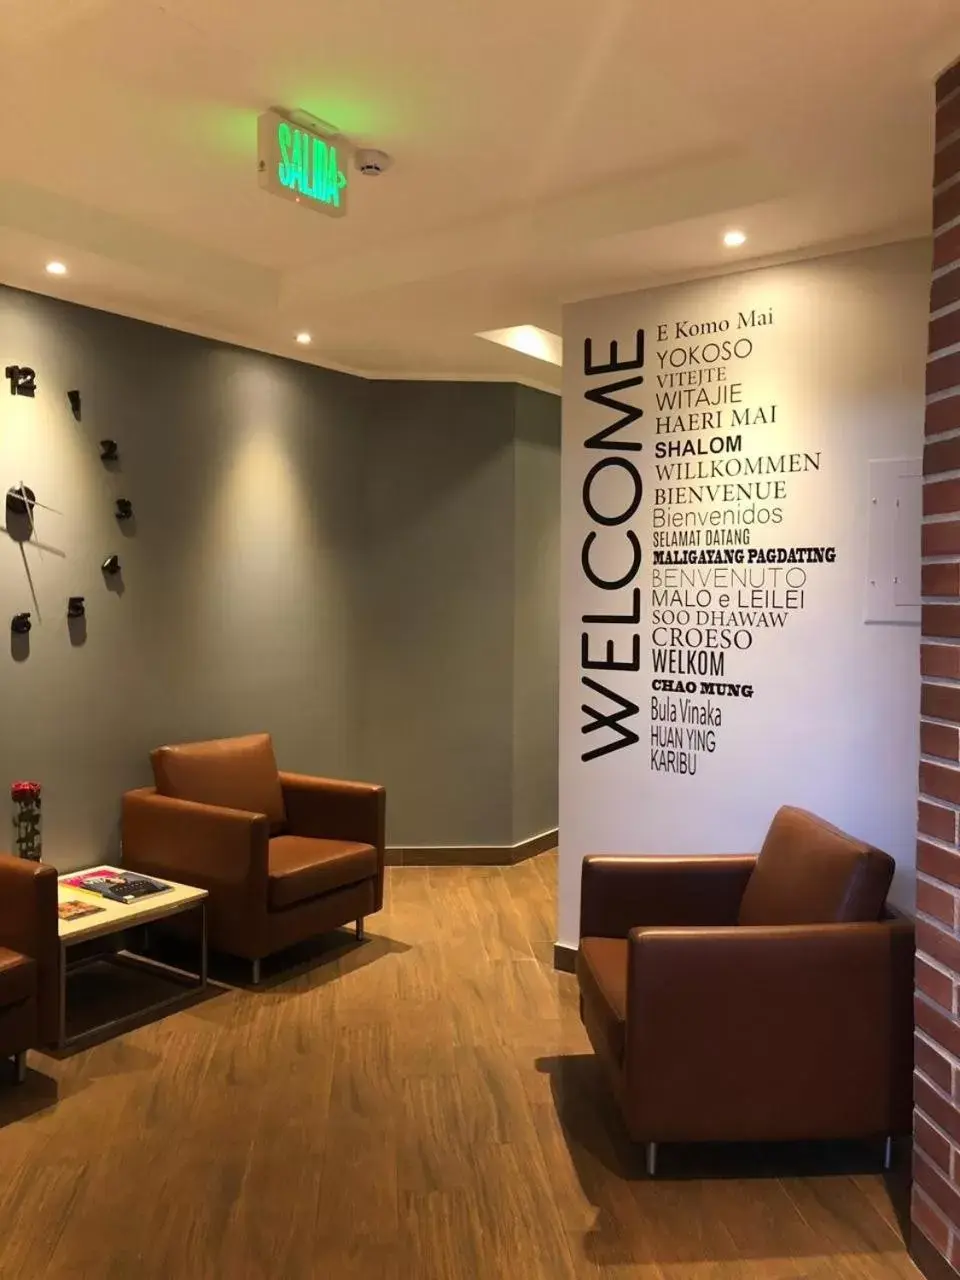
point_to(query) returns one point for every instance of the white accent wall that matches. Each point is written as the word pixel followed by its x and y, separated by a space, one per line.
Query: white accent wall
pixel 736 571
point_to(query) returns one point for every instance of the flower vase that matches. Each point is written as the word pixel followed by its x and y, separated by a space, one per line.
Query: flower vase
pixel 26 819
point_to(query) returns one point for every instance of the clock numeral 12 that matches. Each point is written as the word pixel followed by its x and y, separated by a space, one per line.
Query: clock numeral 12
pixel 23 382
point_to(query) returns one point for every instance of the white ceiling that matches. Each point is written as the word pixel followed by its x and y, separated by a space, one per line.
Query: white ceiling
pixel 545 150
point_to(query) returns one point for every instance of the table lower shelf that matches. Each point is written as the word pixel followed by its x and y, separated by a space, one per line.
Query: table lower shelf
pixel 194 982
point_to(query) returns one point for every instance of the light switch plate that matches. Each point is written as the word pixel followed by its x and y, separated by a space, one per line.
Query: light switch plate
pixel 892 589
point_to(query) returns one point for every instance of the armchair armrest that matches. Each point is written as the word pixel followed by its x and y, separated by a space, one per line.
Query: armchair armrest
pixel 618 893
pixel 28 924
pixel 331 809
pixel 201 844
pixel 28 904
pixel 765 1032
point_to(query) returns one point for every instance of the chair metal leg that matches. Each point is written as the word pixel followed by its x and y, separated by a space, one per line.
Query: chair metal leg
pixel 255 974
pixel 888 1152
pixel 651 1159
pixel 20 1063
pixel 360 933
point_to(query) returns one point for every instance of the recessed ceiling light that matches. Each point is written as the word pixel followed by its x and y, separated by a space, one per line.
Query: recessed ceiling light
pixel 529 341
pixel 734 239
pixel 304 339
pixel 56 269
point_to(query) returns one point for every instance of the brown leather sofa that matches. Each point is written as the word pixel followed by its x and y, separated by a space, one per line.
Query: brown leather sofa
pixel 751 998
pixel 29 958
pixel 283 857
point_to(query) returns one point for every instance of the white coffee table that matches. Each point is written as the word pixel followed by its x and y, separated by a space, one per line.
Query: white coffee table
pixel 118 917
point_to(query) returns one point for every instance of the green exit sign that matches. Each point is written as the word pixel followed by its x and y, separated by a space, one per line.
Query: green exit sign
pixel 302 164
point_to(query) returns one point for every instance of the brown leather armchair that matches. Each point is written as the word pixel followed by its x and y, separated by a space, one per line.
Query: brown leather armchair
pixel 751 998
pixel 29 958
pixel 283 857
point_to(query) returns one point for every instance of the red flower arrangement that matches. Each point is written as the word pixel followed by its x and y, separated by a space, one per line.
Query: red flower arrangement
pixel 26 792
pixel 26 821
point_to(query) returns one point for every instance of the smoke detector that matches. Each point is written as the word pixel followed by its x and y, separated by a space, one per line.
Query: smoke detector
pixel 370 162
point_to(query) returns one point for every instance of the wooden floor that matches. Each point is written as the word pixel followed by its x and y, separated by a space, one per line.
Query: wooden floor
pixel 419 1107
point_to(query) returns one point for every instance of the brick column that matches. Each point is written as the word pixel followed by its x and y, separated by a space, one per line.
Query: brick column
pixel 936 1187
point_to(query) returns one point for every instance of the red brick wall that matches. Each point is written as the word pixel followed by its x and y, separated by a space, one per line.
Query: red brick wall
pixel 936 1188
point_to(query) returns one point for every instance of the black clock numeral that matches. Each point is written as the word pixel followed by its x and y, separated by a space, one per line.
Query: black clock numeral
pixel 23 381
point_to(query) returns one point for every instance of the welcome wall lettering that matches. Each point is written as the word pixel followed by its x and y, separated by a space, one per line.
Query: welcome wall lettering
pixel 609 723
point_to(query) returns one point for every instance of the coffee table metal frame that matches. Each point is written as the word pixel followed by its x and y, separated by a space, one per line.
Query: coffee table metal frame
pixel 124 918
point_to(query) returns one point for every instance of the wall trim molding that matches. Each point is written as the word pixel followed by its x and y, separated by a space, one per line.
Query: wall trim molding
pixel 483 855
pixel 929 1258
pixel 564 957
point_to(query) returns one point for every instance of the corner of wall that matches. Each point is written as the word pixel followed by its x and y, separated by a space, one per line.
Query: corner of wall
pixel 536 612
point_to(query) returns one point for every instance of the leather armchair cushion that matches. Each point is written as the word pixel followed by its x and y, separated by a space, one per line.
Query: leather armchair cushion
pixel 602 975
pixel 231 773
pixel 300 867
pixel 18 977
pixel 809 872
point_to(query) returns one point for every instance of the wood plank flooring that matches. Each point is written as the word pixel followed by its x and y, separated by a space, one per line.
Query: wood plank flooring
pixel 419 1107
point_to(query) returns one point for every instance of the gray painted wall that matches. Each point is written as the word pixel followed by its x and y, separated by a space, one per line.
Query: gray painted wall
pixel 328 558
pixel 536 623
pixel 437 638
pixel 236 610
pixel 461 600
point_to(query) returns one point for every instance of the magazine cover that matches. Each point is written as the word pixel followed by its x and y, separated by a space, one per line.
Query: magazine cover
pixel 121 886
pixel 73 909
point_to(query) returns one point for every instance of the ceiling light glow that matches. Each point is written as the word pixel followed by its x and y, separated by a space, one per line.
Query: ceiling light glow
pixel 529 340
pixel 734 239
pixel 56 269
pixel 304 339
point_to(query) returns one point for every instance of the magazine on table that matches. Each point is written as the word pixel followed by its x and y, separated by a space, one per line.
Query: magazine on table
pixel 74 909
pixel 119 886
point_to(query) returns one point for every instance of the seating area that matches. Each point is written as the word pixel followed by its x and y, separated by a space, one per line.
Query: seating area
pixel 279 859
pixel 728 999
